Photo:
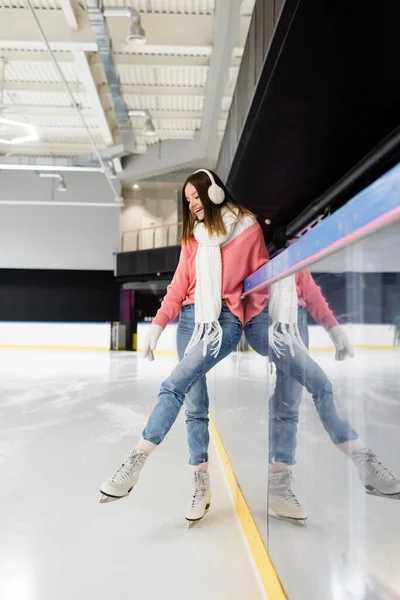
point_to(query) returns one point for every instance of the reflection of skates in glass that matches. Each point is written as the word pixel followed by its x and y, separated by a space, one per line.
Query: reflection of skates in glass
pixel 282 500
pixel 201 499
pixel 375 476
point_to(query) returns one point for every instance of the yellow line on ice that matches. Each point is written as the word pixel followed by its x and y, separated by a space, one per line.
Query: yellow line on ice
pixel 269 577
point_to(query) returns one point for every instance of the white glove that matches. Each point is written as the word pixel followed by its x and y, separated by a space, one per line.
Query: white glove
pixel 151 340
pixel 341 341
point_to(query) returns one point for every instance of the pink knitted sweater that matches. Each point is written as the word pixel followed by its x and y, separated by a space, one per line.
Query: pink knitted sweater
pixel 241 256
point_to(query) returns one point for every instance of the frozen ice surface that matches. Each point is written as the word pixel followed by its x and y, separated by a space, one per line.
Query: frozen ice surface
pixel 66 421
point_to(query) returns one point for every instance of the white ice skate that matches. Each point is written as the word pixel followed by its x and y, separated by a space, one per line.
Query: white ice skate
pixel 201 498
pixel 125 478
pixel 282 500
pixel 375 476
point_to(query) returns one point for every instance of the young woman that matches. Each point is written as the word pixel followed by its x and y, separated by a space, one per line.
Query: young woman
pixel 296 370
pixel 222 244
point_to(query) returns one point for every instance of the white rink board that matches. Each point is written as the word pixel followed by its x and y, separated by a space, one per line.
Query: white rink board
pixel 374 336
pixel 55 335
pixel 167 341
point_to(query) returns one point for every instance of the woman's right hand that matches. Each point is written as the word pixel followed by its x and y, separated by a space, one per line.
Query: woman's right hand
pixel 341 341
pixel 151 340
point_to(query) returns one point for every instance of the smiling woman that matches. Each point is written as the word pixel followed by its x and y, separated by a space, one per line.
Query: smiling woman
pixel 222 243
pixel 203 197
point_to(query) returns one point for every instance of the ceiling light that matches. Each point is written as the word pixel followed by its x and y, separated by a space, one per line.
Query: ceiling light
pixel 62 186
pixel 136 34
pixel 136 186
pixel 149 129
pixel 31 132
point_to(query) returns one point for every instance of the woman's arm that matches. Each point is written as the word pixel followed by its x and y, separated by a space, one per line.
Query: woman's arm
pixel 315 301
pixel 176 292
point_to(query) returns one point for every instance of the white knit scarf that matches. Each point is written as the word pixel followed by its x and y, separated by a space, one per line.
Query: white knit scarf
pixel 208 293
pixel 282 308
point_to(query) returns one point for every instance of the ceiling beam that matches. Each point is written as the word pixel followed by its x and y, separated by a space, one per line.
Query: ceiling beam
pixel 24 86
pixel 169 50
pixel 226 31
pixel 51 148
pixel 35 56
pixel 18 33
pixel 70 111
pixel 79 88
pixel 155 60
pixel 147 55
pixel 159 90
pixel 69 14
pixel 62 203
pixel 46 133
pixel 45 109
pixel 86 77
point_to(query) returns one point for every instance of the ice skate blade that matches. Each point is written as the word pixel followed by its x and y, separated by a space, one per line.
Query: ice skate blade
pixel 374 492
pixel 298 522
pixel 105 499
pixel 193 522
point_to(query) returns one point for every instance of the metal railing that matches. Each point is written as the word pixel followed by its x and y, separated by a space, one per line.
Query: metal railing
pixel 147 238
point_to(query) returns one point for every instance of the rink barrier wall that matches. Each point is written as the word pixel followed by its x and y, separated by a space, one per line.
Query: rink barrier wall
pixel 55 336
pixel 96 336
pixel 363 337
pixel 269 577
pixel 374 207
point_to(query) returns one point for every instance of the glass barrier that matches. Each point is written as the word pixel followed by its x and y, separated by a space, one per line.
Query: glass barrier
pixel 322 435
pixel 160 236
pixel 336 423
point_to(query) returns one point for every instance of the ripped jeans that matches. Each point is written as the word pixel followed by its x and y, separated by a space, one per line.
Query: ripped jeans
pixel 187 384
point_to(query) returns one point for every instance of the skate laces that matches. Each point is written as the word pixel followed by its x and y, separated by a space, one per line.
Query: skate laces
pixel 133 462
pixel 283 488
pixel 200 487
pixel 367 459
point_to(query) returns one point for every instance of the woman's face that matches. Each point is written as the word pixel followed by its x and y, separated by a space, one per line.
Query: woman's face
pixel 195 205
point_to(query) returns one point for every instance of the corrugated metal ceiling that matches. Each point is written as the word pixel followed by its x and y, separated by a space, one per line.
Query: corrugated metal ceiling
pixel 34 81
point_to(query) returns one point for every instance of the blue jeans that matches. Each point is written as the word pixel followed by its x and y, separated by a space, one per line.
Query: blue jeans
pixel 292 374
pixel 187 383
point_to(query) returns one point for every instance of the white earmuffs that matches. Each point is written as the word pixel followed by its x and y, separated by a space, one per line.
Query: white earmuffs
pixel 215 192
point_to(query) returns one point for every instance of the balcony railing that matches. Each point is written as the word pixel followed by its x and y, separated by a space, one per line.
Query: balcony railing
pixel 159 236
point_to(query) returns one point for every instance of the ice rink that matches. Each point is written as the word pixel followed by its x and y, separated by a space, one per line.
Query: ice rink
pixel 67 420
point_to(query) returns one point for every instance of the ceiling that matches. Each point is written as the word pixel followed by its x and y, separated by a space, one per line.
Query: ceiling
pixel 169 76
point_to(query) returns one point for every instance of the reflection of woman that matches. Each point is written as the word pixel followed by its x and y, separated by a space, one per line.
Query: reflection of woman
pixel 295 369
pixel 222 244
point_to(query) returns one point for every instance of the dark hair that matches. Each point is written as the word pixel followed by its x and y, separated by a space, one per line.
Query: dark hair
pixel 212 212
